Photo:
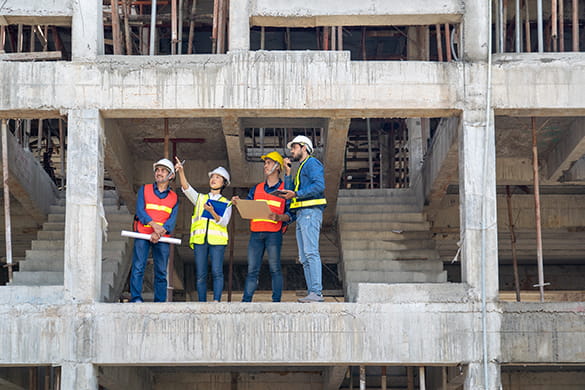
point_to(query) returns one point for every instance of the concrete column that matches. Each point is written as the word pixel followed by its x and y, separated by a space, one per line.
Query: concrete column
pixel 476 30
pixel 476 374
pixel 418 44
pixel 87 30
pixel 416 146
pixel 239 26
pixel 79 376
pixel 84 209
pixel 477 188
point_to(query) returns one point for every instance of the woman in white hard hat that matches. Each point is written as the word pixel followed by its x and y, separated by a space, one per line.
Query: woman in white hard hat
pixel 209 234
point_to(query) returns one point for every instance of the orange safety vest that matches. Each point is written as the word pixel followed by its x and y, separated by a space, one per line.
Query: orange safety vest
pixel 277 206
pixel 159 209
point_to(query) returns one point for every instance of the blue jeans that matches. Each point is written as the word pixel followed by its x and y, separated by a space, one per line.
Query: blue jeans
pixel 270 242
pixel 216 253
pixel 308 228
pixel 160 255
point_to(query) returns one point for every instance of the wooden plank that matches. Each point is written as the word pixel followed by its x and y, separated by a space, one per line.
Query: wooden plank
pixel 37 56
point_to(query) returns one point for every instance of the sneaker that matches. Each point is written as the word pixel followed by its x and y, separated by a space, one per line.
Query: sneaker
pixel 312 297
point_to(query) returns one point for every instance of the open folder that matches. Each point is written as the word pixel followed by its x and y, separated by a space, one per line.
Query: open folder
pixel 253 209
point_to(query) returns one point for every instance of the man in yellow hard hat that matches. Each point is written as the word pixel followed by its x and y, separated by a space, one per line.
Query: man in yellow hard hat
pixel 267 233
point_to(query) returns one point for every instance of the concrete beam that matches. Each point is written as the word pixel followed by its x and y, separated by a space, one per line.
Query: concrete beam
pixel 441 162
pixel 29 183
pixel 87 30
pixel 535 84
pixel 34 12
pixel 337 130
pixel 283 13
pixel 575 174
pixel 569 149
pixel 119 162
pixel 550 333
pixel 333 377
pixel 234 141
pixel 188 86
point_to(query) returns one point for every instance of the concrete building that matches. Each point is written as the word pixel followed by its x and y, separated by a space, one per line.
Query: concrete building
pixel 424 122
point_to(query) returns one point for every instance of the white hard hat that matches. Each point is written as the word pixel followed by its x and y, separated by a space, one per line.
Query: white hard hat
pixel 301 140
pixel 221 171
pixel 164 162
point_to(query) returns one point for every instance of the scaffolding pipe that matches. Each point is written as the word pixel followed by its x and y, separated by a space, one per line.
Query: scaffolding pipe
pixel 554 24
pixel 527 28
pixel 383 379
pixel 539 26
pixel 575 25
pixel 518 28
pixel 421 378
pixel 192 27
pixel 221 27
pixel 339 37
pixel 537 212
pixel 439 42
pixel 370 162
pixel 180 27
pixel 7 222
pixel 501 27
pixel 448 46
pixel 152 26
pixel 262 37
pixel 2 38
pixel 115 28
pixel 362 377
pixel 173 27
pixel 513 242
pixel 62 152
pixel 561 25
pixel 127 38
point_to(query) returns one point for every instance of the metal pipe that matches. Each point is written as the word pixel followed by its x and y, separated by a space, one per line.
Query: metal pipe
pixel 173 27
pixel 362 377
pixel 152 26
pixel 40 139
pixel 7 221
pixel 166 138
pixel 325 38
pixel 527 28
pixel 333 38
pixel 504 24
pixel 262 37
pixel 180 28
pixel 339 37
pixel 561 25
pixel 575 25
pixel 422 385
pixel 537 211
pixel 539 26
pixel 518 29
pixel 221 27
pixel 499 27
pixel 370 162
pixel 513 242
pixel 554 25
pixel 19 39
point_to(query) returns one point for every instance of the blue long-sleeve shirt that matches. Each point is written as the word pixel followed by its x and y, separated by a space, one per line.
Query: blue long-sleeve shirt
pixel 267 189
pixel 312 180
pixel 143 216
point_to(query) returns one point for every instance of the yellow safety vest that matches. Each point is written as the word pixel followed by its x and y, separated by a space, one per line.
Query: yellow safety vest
pixel 294 203
pixel 202 227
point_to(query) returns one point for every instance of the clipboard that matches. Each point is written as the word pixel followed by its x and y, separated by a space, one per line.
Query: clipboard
pixel 218 206
pixel 253 209
pixel 278 193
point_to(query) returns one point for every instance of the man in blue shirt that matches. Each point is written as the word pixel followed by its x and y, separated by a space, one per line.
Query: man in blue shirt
pixel 308 202
pixel 156 214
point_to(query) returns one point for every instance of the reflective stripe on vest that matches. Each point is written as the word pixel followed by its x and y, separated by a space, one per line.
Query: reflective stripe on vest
pixel 202 227
pixel 277 206
pixel 294 203
pixel 158 209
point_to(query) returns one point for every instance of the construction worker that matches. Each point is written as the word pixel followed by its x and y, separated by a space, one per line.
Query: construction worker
pixel 209 234
pixel 308 202
pixel 266 234
pixel 156 213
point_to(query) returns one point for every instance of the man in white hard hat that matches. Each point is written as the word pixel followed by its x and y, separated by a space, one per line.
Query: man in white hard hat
pixel 308 202
pixel 156 214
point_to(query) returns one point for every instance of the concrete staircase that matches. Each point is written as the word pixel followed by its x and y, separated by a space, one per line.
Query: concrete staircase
pixel 385 238
pixel 44 262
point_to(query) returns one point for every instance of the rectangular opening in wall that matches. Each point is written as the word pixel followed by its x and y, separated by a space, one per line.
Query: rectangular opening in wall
pixel 31 378
pixel 19 42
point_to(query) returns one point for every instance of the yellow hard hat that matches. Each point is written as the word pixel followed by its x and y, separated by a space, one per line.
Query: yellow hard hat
pixel 275 156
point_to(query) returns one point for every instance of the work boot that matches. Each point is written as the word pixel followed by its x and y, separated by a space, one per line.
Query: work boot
pixel 312 297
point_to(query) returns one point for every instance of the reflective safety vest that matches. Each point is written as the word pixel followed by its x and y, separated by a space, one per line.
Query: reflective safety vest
pixel 159 209
pixel 295 204
pixel 277 206
pixel 202 228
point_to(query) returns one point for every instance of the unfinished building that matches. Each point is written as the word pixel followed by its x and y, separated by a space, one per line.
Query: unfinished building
pixel 452 134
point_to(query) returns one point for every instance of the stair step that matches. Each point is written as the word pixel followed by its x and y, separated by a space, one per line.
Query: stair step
pixel 355 207
pixel 381 254
pixel 115 225
pixel 37 278
pixel 41 245
pixel 382 216
pixel 393 266
pixel 394 245
pixel 348 235
pixel 394 277
pixel 108 200
pixel 111 217
pixel 397 227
